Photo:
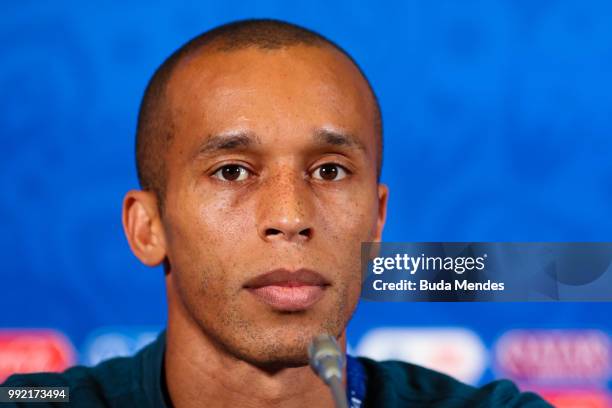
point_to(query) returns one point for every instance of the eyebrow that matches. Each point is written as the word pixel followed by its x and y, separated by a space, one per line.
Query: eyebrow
pixel 245 139
pixel 334 138
pixel 227 141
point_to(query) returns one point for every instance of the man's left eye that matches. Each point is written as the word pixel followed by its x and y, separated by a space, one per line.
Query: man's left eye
pixel 330 172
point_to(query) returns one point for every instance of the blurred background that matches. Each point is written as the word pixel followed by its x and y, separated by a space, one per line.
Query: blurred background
pixel 497 128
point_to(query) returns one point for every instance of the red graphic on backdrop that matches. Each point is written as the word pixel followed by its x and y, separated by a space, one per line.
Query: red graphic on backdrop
pixel 27 351
pixel 555 355
pixel 576 398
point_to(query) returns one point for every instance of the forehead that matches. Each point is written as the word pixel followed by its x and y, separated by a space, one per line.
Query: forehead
pixel 270 92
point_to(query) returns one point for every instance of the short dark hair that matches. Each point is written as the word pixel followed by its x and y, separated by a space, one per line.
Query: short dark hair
pixel 155 129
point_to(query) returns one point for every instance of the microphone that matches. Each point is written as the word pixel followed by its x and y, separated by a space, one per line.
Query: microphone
pixel 327 361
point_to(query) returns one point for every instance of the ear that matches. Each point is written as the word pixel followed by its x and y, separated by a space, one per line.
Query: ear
pixel 383 194
pixel 143 228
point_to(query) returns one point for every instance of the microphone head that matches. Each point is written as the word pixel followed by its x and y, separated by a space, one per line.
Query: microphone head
pixel 326 358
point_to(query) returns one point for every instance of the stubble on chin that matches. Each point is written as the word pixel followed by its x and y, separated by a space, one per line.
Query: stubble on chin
pixel 263 341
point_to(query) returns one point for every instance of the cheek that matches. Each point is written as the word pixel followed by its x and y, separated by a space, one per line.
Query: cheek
pixel 203 245
pixel 223 224
pixel 200 265
pixel 344 230
pixel 210 226
pixel 349 221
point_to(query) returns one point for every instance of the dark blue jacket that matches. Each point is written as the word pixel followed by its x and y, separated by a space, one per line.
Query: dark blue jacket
pixel 138 382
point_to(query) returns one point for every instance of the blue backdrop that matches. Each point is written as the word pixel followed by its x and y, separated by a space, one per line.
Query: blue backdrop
pixel 497 128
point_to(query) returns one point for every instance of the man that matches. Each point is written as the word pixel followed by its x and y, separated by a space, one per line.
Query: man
pixel 259 150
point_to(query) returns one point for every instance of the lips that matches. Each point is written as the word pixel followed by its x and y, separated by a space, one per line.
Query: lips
pixel 286 290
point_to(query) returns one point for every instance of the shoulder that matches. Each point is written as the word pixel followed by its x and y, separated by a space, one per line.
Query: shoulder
pixel 107 384
pixel 396 383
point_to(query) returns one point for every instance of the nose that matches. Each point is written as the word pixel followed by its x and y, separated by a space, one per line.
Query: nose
pixel 286 210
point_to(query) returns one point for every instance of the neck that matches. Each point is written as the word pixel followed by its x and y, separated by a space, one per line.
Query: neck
pixel 201 373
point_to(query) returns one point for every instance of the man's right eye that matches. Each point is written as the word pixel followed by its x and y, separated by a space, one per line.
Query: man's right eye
pixel 231 172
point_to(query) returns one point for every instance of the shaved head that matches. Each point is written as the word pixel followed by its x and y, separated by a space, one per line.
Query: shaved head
pixel 258 148
pixel 155 129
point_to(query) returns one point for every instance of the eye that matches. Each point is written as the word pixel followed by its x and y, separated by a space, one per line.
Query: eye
pixel 330 172
pixel 231 172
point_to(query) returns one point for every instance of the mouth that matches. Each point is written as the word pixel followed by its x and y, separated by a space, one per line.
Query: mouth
pixel 288 291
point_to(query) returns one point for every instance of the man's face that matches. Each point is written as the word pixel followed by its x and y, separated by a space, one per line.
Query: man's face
pixel 271 189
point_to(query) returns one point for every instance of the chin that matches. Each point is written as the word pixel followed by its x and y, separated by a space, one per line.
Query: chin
pixel 272 340
pixel 279 348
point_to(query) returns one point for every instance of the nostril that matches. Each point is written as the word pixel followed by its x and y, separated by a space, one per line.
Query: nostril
pixel 272 231
pixel 307 232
